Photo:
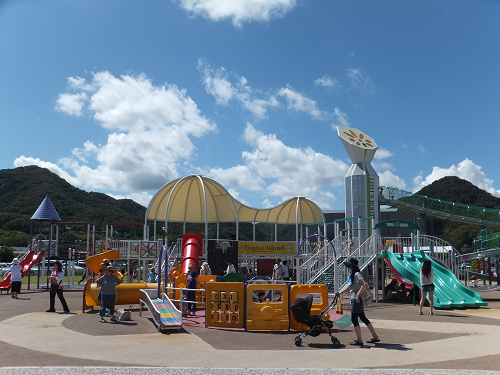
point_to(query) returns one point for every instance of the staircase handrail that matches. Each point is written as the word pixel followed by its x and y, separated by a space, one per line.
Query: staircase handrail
pixel 365 253
pixel 315 262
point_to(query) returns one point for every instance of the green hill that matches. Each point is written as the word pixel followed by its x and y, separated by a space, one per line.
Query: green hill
pixel 23 189
pixel 454 189
pixel 457 190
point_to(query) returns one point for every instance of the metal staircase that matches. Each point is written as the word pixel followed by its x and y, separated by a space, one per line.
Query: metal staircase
pixel 325 274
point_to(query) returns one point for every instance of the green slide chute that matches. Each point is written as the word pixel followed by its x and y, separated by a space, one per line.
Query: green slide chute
pixel 449 291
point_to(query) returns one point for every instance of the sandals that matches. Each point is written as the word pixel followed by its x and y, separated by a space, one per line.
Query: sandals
pixel 356 342
pixel 373 341
pixel 420 313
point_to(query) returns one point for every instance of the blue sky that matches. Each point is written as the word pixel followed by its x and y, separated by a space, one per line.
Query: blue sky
pixel 122 96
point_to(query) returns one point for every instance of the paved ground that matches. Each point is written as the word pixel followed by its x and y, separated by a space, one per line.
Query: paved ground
pixel 32 341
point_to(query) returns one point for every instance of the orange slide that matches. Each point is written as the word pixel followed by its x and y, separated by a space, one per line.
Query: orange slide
pixel 93 262
pixel 126 294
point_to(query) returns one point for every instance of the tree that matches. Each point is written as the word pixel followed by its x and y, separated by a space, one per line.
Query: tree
pixel 6 254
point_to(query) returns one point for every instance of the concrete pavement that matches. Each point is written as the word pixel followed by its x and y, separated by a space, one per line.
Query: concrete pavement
pixel 451 339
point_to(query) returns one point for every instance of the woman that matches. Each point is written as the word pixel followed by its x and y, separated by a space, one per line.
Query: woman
pixel 427 283
pixel 108 284
pixel 56 278
pixel 205 269
pixel 357 285
pixel 16 276
pixel 192 283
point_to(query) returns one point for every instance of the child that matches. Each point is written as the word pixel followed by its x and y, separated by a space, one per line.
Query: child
pixel 473 281
pixel 261 296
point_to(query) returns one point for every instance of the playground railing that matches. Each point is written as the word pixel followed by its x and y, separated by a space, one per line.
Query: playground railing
pixel 365 254
pixel 390 195
pixel 443 252
pixel 183 299
pixel 316 262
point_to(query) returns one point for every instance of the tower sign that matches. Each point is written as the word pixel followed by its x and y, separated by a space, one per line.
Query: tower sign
pixel 361 181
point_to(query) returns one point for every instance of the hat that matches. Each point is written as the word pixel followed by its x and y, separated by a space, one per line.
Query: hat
pixel 191 265
pixel 106 260
pixel 351 263
pixel 110 268
pixel 15 261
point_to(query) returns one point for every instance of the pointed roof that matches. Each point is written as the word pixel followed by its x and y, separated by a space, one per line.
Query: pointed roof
pixel 46 211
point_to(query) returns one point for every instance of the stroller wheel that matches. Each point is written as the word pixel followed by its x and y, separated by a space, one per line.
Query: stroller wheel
pixel 335 341
pixel 298 341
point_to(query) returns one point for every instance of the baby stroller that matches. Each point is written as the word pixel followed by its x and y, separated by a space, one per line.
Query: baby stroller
pixel 301 311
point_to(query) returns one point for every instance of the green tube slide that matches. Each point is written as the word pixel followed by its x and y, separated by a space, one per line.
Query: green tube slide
pixel 449 291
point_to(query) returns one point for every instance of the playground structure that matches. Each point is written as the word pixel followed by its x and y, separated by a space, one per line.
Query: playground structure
pixel 318 265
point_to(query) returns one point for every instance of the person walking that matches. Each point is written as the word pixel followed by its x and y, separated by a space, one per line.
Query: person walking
pixel 357 285
pixel 427 283
pixel 84 276
pixel 108 283
pixel 56 287
pixel 16 276
pixel 192 283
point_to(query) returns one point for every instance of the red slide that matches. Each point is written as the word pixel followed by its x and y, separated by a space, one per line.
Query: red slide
pixel 400 278
pixel 192 249
pixel 28 261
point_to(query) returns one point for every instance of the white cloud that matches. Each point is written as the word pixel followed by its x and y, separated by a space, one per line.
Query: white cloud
pixel 387 178
pixel 327 81
pixel 293 171
pixel 342 119
pixel 149 134
pixel 360 82
pixel 422 149
pixel 239 11
pixel 143 198
pixel 72 104
pixel 300 103
pixel 217 84
pixel 383 154
pixel 466 170
pixel 239 176
pixel 267 204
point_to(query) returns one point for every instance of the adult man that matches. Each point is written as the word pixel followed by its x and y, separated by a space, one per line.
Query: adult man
pixel 281 272
pixel 277 265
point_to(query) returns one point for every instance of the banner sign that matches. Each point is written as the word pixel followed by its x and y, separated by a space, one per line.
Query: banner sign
pixel 266 248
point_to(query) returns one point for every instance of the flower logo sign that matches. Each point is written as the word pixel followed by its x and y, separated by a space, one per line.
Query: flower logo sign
pixel 359 139
pixel 359 146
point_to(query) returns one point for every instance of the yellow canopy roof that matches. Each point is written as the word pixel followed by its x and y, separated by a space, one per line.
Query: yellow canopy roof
pixel 198 199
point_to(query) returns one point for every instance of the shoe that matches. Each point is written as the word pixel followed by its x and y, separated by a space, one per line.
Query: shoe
pixel 184 315
pixel 420 313
pixel 193 313
pixel 102 320
pixel 356 342
pixel 113 319
pixel 373 341
pixel 51 310
pixel 431 313
pixel 67 311
pixel 108 315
